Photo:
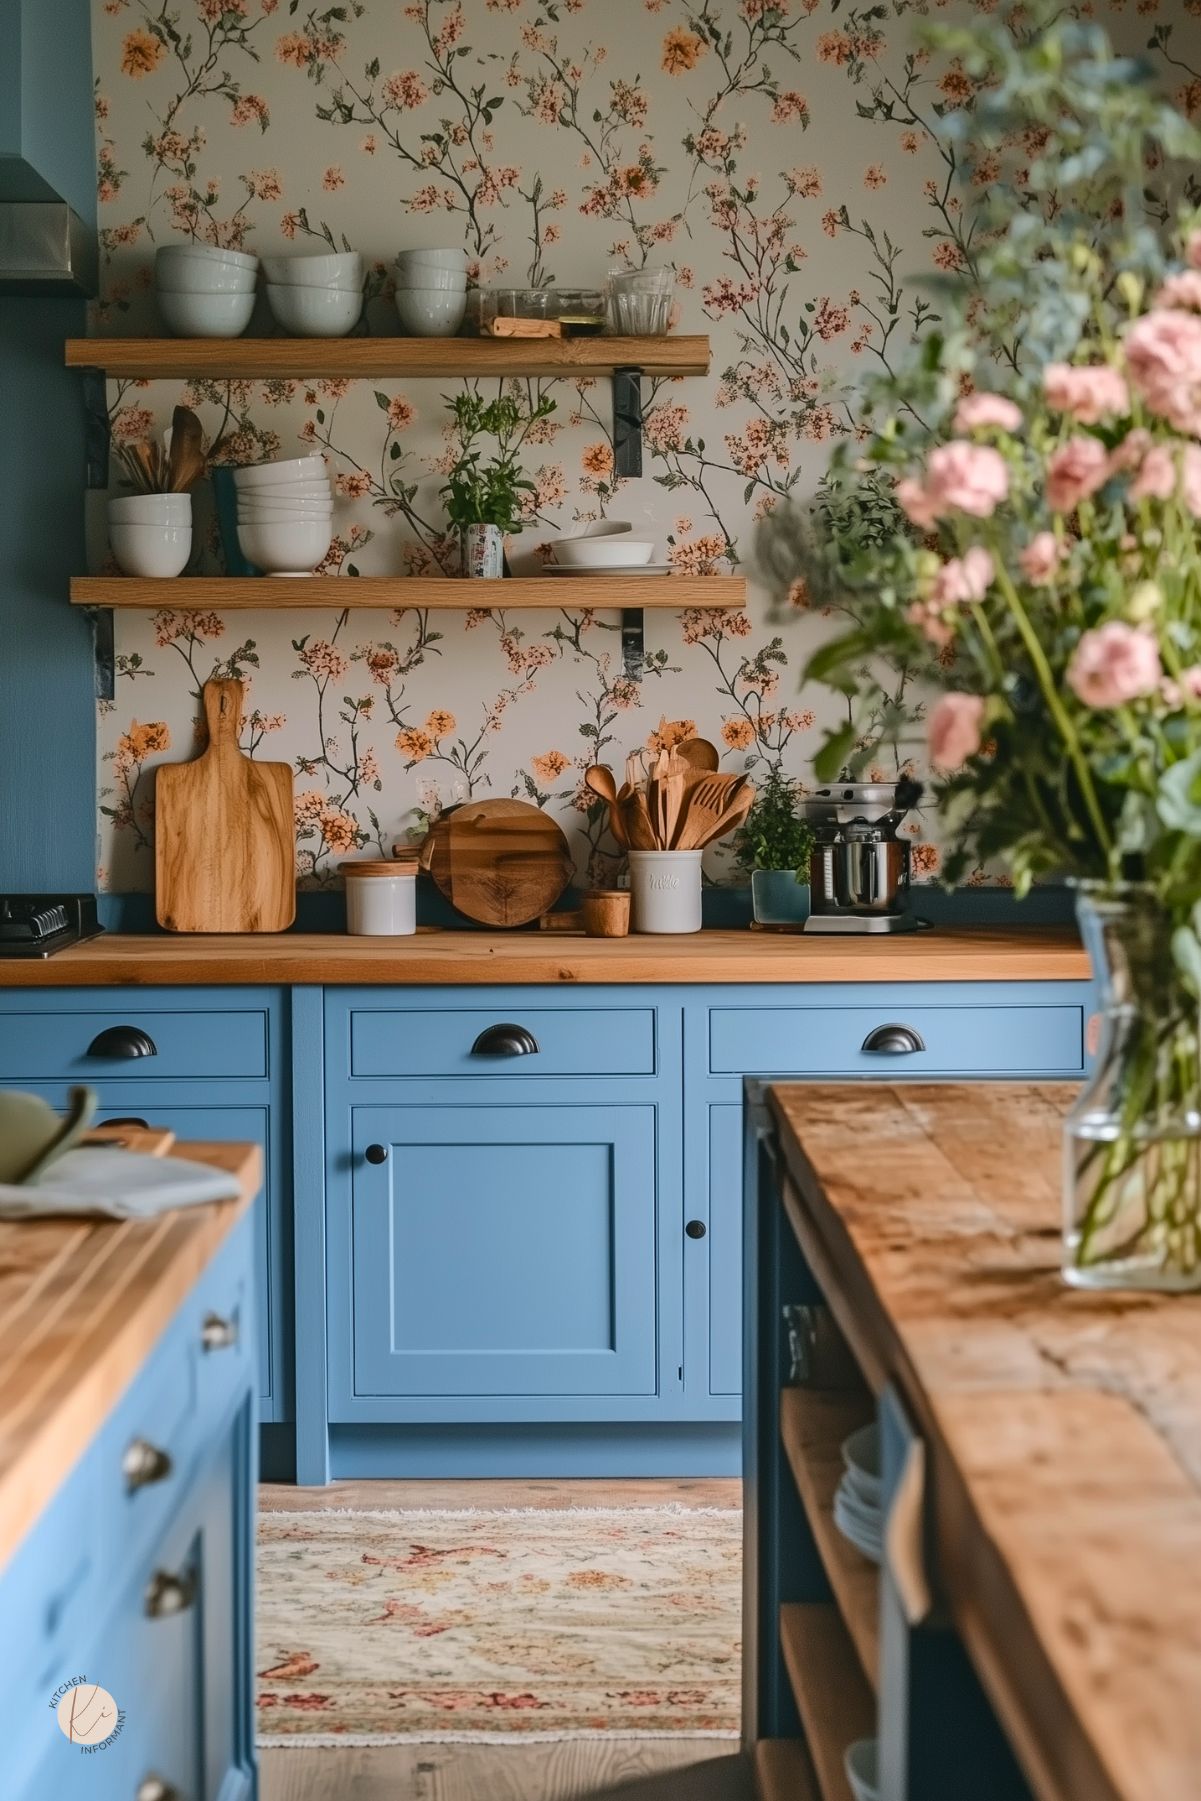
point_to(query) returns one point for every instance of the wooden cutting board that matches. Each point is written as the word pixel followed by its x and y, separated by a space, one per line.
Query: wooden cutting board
pixel 225 853
pixel 501 862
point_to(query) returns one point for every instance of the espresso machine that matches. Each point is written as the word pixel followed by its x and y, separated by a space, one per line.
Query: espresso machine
pixel 859 870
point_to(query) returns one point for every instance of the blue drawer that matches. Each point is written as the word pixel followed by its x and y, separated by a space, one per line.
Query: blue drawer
pixel 40 1043
pixel 830 1041
pixel 587 1041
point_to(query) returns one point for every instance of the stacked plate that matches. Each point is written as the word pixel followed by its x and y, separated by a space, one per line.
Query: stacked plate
pixel 604 548
pixel 204 292
pixel 431 292
pixel 316 296
pixel 285 514
pixel 859 1498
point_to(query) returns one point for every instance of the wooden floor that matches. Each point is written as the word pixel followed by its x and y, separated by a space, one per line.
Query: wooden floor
pixel 680 1769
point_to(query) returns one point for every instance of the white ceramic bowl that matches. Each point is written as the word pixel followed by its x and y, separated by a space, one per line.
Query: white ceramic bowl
pixel 209 253
pixel 283 547
pixel 861 1454
pixel 334 271
pixel 597 528
pixel 200 267
pixel 300 509
pixel 316 312
pixel 276 491
pixel 427 279
pixel 430 315
pixel 151 509
pixel 206 315
pixel 615 551
pixel 287 469
pixel 150 550
pixel 862 1762
pixel 197 279
pixel 433 259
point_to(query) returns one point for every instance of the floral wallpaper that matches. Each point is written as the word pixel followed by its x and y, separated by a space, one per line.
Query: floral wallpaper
pixel 777 153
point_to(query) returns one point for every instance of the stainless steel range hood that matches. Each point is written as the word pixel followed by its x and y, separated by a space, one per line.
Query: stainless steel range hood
pixel 45 248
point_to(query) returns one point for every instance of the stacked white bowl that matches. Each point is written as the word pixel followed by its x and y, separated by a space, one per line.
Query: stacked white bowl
pixel 285 514
pixel 431 292
pixel 203 292
pixel 151 534
pixel 316 296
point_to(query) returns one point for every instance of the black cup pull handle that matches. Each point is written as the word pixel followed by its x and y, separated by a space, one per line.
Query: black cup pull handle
pixel 123 1041
pixel 894 1041
pixel 505 1041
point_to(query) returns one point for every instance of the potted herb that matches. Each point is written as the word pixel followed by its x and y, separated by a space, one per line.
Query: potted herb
pixel 775 846
pixel 484 498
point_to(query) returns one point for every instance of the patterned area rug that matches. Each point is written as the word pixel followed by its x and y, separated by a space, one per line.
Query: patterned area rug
pixel 375 1628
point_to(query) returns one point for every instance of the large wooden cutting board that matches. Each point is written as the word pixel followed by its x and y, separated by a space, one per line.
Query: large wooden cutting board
pixel 501 862
pixel 225 855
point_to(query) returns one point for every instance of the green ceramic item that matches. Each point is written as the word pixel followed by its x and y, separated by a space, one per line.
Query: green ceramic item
pixel 33 1135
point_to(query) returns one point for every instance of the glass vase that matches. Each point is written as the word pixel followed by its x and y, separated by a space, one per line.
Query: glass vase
pixel 1132 1176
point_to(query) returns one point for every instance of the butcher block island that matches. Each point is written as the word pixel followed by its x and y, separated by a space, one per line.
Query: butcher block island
pixel 1034 1629
pixel 128 1457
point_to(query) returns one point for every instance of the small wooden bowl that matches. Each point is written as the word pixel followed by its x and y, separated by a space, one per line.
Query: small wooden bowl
pixel 605 912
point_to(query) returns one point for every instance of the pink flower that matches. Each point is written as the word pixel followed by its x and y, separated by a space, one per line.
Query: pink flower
pixel 1074 471
pixel 926 617
pixel 1156 477
pixel 954 728
pixel 1114 664
pixel 1163 356
pixel 1190 479
pixel 1040 559
pixel 1188 686
pixel 1131 451
pixel 1087 394
pixel 915 503
pixel 1181 290
pixel 966 478
pixel 964 578
pixel 987 412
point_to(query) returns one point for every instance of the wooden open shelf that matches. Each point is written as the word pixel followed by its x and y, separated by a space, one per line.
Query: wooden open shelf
pixel 833 1699
pixel 234 593
pixel 783 1771
pixel 813 1424
pixel 264 359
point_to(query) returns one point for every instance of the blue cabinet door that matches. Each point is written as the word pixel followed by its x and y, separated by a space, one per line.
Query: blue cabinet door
pixel 503 1250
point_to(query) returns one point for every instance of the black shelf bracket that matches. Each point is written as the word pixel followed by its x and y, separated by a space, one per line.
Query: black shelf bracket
pixel 633 642
pixel 627 422
pixel 104 652
pixel 97 429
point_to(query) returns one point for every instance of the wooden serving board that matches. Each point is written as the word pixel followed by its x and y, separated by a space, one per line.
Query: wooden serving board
pixel 501 862
pixel 225 856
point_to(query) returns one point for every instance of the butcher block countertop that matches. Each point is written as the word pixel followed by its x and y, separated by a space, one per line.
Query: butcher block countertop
pixel 1063 1430
pixel 82 1304
pixel 435 957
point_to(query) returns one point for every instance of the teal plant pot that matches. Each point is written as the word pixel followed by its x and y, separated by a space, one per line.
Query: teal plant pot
pixel 778 898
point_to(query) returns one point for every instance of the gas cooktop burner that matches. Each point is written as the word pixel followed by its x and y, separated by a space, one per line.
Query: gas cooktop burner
pixel 38 925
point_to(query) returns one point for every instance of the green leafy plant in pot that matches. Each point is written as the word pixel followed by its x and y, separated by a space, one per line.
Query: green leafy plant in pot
pixel 775 845
pixel 485 499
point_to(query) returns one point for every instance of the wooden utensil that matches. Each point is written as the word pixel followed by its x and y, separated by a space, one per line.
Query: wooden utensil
pixel 698 753
pixel 733 816
pixel 640 832
pixel 705 803
pixel 500 862
pixel 225 845
pixel 601 781
pixel 185 459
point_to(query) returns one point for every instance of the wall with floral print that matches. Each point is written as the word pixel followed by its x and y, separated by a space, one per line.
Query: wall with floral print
pixel 777 153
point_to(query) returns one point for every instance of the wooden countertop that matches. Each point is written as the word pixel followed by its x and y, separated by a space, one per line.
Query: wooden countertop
pixel 472 958
pixel 82 1303
pixel 1063 1429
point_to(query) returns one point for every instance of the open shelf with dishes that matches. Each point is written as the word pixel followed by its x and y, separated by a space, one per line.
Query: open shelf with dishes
pixel 364 359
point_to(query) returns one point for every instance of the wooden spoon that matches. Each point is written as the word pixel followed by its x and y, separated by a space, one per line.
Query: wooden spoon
pixel 600 781
pixel 698 753
pixel 185 461
pixel 640 833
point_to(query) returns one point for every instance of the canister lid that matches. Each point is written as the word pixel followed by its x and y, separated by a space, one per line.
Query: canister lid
pixel 365 866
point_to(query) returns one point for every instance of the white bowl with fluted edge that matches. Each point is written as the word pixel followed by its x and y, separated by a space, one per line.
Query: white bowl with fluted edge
pixel 341 270
pixel 315 312
pixel 430 314
pixel 287 469
pixel 285 547
pixel 616 551
pixel 205 315
pixel 151 551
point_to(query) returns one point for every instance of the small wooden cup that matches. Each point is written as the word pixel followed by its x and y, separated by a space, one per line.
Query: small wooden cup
pixel 605 912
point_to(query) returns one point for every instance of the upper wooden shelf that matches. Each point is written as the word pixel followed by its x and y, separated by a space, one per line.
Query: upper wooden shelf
pixel 230 593
pixel 263 359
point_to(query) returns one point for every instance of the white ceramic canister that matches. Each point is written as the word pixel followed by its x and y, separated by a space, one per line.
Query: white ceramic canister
pixel 665 890
pixel 381 898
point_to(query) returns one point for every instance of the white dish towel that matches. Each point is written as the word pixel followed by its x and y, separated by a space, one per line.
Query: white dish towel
pixel 96 1181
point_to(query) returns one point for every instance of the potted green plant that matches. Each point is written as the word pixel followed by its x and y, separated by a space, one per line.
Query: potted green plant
pixel 774 846
pixel 484 498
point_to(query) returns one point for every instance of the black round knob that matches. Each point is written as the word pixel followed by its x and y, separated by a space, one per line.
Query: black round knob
pixel 123 1041
pixel 376 1153
pixel 696 1228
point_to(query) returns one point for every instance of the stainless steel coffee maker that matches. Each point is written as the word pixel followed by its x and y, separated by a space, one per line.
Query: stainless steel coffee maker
pixel 859 870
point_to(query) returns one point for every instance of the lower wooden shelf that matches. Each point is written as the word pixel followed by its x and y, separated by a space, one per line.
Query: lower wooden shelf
pixel 783 1771
pixel 833 1699
pixel 813 1424
pixel 231 593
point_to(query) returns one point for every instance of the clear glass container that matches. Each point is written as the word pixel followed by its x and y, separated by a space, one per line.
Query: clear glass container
pixel 1132 1151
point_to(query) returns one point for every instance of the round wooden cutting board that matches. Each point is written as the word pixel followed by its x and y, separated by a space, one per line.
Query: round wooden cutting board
pixel 500 862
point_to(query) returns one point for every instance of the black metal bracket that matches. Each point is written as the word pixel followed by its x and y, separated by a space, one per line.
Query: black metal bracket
pixel 97 428
pixel 104 651
pixel 633 642
pixel 627 422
